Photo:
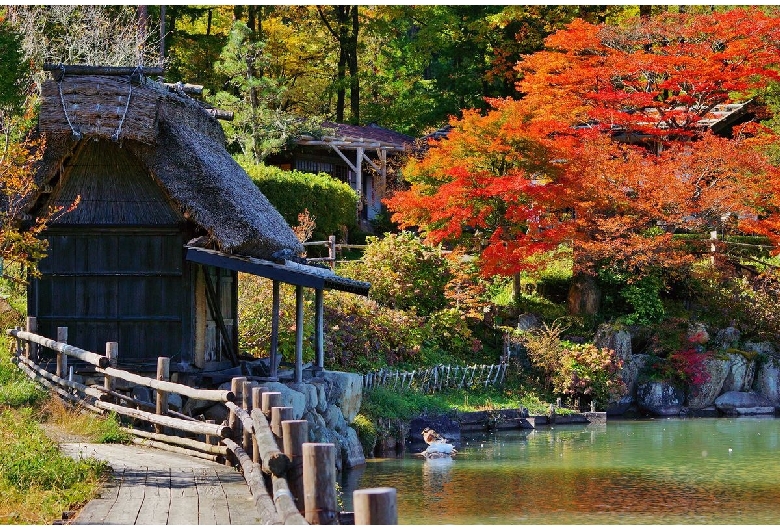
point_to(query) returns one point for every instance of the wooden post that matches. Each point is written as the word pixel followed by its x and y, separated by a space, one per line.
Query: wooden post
pixel 269 401
pixel 278 415
pixel 295 433
pixel 274 357
pixel 210 439
pixel 62 359
pixel 246 404
pixel 31 351
pixel 257 403
pixel 319 329
pixel 237 387
pixel 112 352
pixel 375 506
pixel 163 374
pixel 298 333
pixel 319 483
pixel 332 250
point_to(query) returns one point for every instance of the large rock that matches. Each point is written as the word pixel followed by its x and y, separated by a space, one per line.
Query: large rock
pixel 659 398
pixel 334 419
pixel 703 396
pixel 742 373
pixel 345 390
pixel 743 404
pixel 727 338
pixel 767 381
pixel 290 398
pixel 528 321
pixel 617 340
pixel 351 449
pixel 309 392
pixel 584 296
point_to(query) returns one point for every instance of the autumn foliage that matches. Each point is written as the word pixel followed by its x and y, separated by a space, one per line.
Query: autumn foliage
pixel 616 145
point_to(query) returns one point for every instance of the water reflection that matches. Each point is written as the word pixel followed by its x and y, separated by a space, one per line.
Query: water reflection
pixel 632 472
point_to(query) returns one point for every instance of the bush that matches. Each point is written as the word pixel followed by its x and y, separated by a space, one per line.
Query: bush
pixel 332 203
pixel 404 273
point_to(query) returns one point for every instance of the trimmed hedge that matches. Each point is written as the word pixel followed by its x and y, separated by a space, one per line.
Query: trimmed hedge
pixel 331 202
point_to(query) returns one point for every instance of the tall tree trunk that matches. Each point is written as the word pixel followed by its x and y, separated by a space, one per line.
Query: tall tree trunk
pixel 143 21
pixel 345 31
pixel 354 80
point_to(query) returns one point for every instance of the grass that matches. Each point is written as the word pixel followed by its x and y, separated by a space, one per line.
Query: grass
pixel 37 482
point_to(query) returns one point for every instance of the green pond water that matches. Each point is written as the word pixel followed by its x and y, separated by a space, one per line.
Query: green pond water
pixel 665 471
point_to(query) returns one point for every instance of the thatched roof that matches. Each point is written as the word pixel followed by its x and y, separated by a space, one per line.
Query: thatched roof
pixel 176 141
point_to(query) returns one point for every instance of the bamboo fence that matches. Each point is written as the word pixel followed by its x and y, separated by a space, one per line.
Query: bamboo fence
pixel 438 378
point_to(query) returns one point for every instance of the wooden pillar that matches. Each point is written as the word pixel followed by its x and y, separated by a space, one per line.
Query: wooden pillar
pixel 62 359
pixel 319 328
pixel 269 401
pixel 163 374
pixel 257 403
pixel 359 176
pixel 112 352
pixel 31 351
pixel 319 483
pixel 237 387
pixel 246 404
pixel 332 250
pixel 278 415
pixel 275 331
pixel 295 433
pixel 375 506
pixel 298 333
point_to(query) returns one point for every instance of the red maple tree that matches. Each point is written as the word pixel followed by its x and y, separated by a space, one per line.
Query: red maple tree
pixel 612 149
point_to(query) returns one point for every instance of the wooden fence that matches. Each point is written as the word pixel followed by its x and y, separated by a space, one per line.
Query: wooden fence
pixel 437 378
pixel 332 247
pixel 292 481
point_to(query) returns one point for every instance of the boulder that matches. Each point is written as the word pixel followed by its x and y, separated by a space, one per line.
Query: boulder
pixel 218 413
pixel 345 390
pixel 659 398
pixel 351 449
pixel 727 337
pixel 175 401
pixel 334 420
pixel 193 407
pixel 309 392
pixel 290 398
pixel 703 396
pixel 743 404
pixel 617 340
pixel 767 381
pixel 528 321
pixel 142 393
pixel 697 333
pixel 742 372
pixel 584 296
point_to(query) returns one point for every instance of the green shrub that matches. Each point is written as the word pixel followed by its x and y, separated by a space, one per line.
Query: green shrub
pixel 332 203
pixel 404 404
pixel 404 273
pixel 16 389
pixel 367 433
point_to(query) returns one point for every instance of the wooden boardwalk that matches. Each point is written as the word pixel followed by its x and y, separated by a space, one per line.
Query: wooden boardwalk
pixel 150 486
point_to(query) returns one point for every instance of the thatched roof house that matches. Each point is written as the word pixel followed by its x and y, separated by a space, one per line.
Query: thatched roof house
pixel 165 219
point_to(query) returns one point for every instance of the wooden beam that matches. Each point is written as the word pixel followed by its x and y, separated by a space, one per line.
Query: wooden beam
pixel 274 354
pixel 298 334
pixel 319 328
pixel 83 69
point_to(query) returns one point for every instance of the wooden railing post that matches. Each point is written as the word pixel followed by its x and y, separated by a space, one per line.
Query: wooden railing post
pixel 257 403
pixel 270 400
pixel 295 433
pixel 246 404
pixel 332 250
pixel 319 483
pixel 237 387
pixel 163 374
pixel 112 352
pixel 31 351
pixel 278 415
pixel 62 359
pixel 375 506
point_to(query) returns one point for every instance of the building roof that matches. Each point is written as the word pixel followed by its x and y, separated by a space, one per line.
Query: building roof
pixel 369 136
pixel 175 139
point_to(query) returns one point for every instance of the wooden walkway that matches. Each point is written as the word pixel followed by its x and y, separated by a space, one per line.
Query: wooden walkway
pixel 150 486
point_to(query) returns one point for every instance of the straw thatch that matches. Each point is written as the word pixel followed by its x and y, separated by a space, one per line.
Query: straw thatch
pixel 165 135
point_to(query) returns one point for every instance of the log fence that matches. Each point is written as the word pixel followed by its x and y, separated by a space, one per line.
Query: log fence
pixel 437 378
pixel 333 249
pixel 292 485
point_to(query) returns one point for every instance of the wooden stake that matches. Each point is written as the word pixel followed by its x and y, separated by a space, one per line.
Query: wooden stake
pixel 246 404
pixel 375 506
pixel 319 483
pixel 278 415
pixel 295 433
pixel 62 359
pixel 163 374
pixel 112 352
pixel 31 351
pixel 237 387
pixel 270 400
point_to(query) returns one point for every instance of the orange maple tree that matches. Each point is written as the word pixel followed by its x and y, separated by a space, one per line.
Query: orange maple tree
pixel 612 148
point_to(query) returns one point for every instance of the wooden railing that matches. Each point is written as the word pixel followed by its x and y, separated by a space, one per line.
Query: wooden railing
pixel 301 475
pixel 437 378
pixel 332 247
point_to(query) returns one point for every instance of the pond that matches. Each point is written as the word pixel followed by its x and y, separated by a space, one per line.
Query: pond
pixel 664 471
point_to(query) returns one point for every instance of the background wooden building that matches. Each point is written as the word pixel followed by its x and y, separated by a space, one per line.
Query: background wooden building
pixel 148 170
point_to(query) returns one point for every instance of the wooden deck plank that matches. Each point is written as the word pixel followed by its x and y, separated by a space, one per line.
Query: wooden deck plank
pixel 157 499
pixel 212 503
pixel 184 498
pixel 241 504
pixel 130 498
pixel 96 511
